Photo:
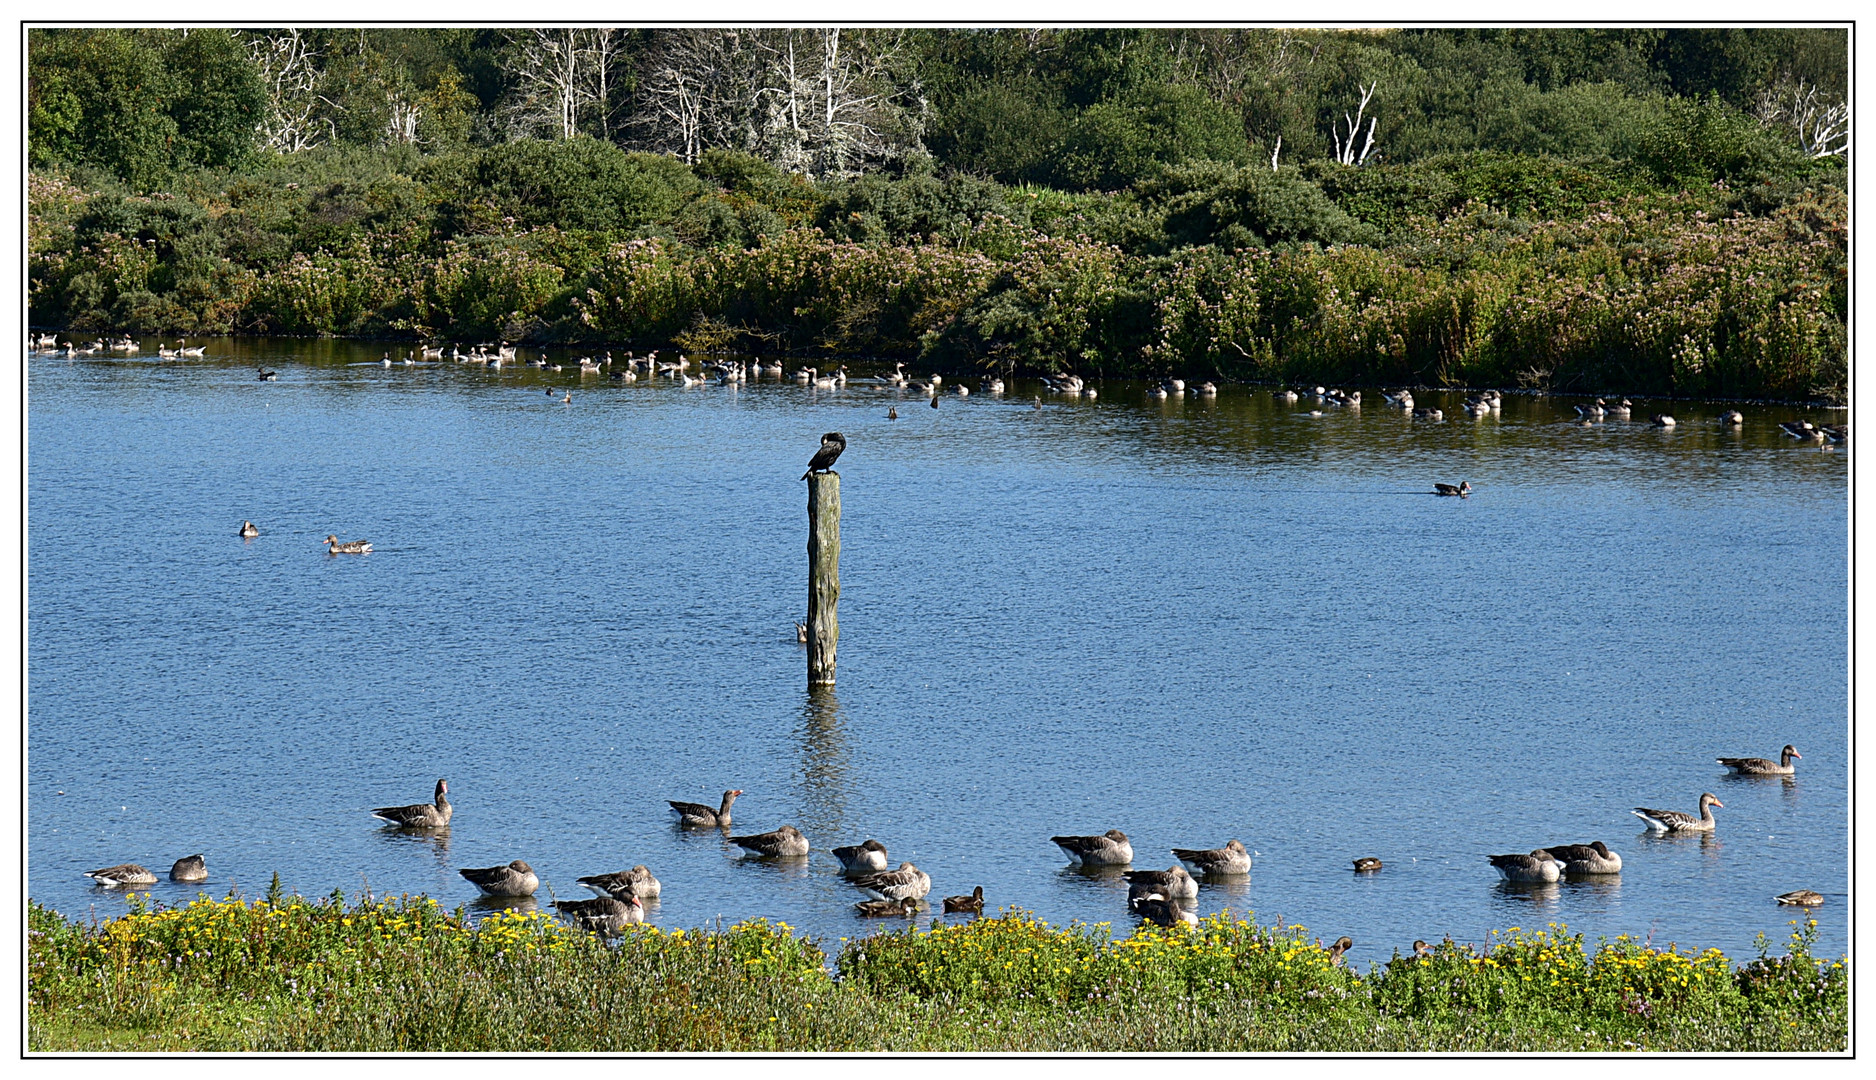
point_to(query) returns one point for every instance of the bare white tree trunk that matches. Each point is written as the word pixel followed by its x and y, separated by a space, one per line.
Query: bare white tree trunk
pixel 556 73
pixel 1822 126
pixel 1345 151
pixel 289 69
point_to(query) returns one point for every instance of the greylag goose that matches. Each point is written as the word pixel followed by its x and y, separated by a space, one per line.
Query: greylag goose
pixel 603 913
pixel 783 843
pixel 1595 858
pixel 1429 414
pixel 883 909
pixel 1367 863
pixel 1162 911
pixel 1663 420
pixel 832 445
pixel 1732 418
pixel 1109 849
pixel 350 547
pixel 700 816
pixel 1758 766
pixel 268 376
pixel 1403 399
pixel 1285 396
pixel 861 858
pixel 1800 429
pixel 966 905
pixel 249 531
pixel 420 815
pixel 1216 862
pixel 1539 865
pixel 1620 411
pixel 1463 489
pixel 1337 950
pixel 1594 410
pixel 1801 898
pixel 1669 821
pixel 1835 432
pixel 515 879
pixel 638 881
pixel 127 874
pixel 906 881
pixel 1173 882
pixel 189 868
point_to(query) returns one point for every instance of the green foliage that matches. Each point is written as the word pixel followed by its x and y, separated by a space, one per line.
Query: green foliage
pixel 1246 207
pixel 1113 144
pixel 574 184
pixel 1695 142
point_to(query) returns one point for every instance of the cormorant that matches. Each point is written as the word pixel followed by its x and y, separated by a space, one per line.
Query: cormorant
pixel 832 444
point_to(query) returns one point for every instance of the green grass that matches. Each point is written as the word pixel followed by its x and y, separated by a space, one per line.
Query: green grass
pixel 287 974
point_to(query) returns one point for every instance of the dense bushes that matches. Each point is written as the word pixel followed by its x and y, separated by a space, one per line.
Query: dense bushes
pixel 283 973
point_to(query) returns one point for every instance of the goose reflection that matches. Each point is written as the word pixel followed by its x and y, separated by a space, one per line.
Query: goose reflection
pixel 1541 896
pixel 437 840
pixel 489 905
pixel 823 774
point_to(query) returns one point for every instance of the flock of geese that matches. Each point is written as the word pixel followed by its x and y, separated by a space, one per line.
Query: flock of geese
pixel 1161 897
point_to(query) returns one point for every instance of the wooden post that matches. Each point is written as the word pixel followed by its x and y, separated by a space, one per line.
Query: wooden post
pixel 823 575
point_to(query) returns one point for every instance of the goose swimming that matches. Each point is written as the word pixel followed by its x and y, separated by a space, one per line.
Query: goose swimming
pixel 1538 866
pixel 349 547
pixel 1758 766
pixel 1595 858
pixel 906 882
pixel 603 913
pixel 420 815
pixel 1216 862
pixel 249 531
pixel 1463 490
pixel 125 874
pixel 861 858
pixel 699 815
pixel 1173 882
pixel 515 879
pixel 1670 821
pixel 189 868
pixel 783 843
pixel 638 881
pixel 1109 849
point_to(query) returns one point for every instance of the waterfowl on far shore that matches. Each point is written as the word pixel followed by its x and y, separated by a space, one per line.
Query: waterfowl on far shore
pixel 1108 849
pixel 430 815
pixel 249 531
pixel 1801 898
pixel 783 843
pixel 699 815
pixel 349 547
pixel 1758 766
pixel 1668 821
pixel 967 905
pixel 1367 863
pixel 515 879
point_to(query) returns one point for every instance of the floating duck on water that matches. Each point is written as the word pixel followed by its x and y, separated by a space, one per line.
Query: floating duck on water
pixel 349 547
pixel 1463 489
pixel 1758 766
pixel 1672 821
pixel 249 531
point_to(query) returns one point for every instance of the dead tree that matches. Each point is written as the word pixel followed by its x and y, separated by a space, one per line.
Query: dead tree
pixel 290 72
pixel 1345 147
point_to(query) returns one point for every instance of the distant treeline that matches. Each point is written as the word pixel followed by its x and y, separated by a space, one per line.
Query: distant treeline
pixel 1658 211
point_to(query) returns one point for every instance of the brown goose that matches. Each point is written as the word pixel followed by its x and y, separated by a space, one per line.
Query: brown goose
pixel 515 879
pixel 1595 858
pixel 420 815
pixel 1539 865
pixel 1342 945
pixel 881 909
pixel 638 881
pixel 249 531
pixel 189 868
pixel 968 905
pixel 127 874
pixel 349 547
pixel 1669 821
pixel 1216 862
pixel 1367 863
pixel 1109 849
pixel 1161 911
pixel 784 843
pixel 1173 882
pixel 697 815
pixel 862 858
pixel 603 913
pixel 1462 489
pixel 1801 898
pixel 898 884
pixel 1758 766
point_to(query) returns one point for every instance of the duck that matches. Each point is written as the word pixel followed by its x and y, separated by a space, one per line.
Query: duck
pixel 603 913
pixel 1367 863
pixel 907 881
pixel 267 376
pixel 1422 951
pixel 1662 420
pixel 1539 865
pixel 892 412
pixel 1173 882
pixel 434 815
pixel 350 547
pixel 1672 821
pixel 637 881
pixel 1339 949
pixel 1593 858
pixel 189 868
pixel 783 843
pixel 1463 490
pixel 861 858
pixel 1429 414
pixel 966 905
pixel 1216 862
pixel 1620 411
pixel 1109 849
pixel 126 874
pixel 515 879
pixel 886 909
pixel 1732 418
pixel 1162 911
pixel 1478 409
pixel 801 633
pixel 249 531
pixel 1758 766
pixel 1801 898
pixel 699 815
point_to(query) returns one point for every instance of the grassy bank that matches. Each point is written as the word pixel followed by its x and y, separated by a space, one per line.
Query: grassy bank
pixel 288 974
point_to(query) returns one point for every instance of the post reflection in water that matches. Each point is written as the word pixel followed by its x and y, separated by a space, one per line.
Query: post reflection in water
pixel 825 785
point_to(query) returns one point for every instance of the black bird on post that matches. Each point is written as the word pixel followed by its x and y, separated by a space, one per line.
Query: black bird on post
pixel 832 444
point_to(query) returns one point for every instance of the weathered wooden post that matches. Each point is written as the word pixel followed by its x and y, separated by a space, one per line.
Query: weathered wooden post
pixel 823 575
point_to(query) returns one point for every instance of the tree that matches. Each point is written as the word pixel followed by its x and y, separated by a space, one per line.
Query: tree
pixel 563 81
pixel 288 67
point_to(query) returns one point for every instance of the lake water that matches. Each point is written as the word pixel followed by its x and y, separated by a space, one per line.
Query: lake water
pixel 1191 620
